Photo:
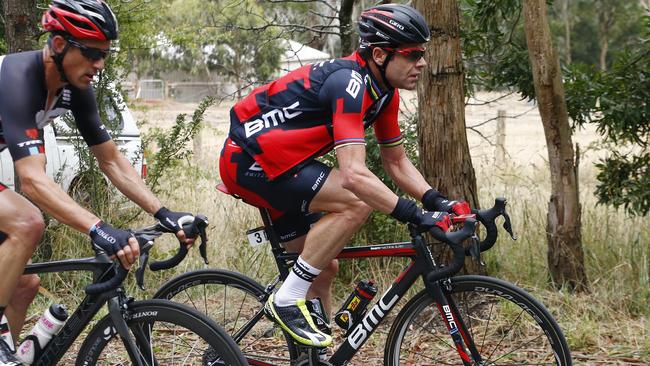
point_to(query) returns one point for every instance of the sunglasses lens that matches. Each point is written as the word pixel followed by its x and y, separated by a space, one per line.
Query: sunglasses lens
pixel 415 55
pixel 94 54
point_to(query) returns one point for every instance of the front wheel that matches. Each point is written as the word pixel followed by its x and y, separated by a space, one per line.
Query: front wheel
pixel 506 324
pixel 235 302
pixel 165 333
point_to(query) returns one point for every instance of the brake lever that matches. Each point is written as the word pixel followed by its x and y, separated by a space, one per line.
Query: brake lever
pixel 201 224
pixel 507 225
pixel 475 250
pixel 144 260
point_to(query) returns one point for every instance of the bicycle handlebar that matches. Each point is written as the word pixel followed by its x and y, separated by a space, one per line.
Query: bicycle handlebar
pixel 146 237
pixel 455 239
pixel 488 217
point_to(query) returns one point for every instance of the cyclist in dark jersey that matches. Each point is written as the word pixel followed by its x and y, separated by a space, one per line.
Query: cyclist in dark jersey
pixel 278 130
pixel 35 88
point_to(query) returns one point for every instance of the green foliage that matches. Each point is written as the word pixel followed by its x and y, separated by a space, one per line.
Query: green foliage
pixel 617 101
pixel 173 144
pixel 494 47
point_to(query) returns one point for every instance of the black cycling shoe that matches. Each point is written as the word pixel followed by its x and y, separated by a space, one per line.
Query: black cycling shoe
pixel 296 320
pixel 7 356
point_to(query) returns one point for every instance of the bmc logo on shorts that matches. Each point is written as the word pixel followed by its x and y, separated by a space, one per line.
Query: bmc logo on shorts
pixel 271 118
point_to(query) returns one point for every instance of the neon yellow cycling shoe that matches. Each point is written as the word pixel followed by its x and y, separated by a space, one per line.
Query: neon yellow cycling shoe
pixel 297 321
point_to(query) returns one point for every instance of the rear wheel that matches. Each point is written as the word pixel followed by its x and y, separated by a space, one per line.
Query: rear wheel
pixel 165 333
pixel 507 325
pixel 235 302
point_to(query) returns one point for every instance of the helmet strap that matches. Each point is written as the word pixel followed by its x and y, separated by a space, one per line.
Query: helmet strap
pixel 382 69
pixel 58 58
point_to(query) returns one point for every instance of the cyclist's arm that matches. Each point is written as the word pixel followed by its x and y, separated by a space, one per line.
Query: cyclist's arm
pixel 358 179
pixel 49 196
pixel 403 172
pixel 124 177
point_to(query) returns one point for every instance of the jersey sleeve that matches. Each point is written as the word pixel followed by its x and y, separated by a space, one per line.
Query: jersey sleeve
pixel 387 129
pixel 343 92
pixel 17 112
pixel 86 115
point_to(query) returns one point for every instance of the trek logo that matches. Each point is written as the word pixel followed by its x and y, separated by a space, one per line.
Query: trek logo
pixel 401 27
pixel 30 143
pixel 354 85
pixel 271 118
pixel 361 332
pixel 318 181
pixel 450 319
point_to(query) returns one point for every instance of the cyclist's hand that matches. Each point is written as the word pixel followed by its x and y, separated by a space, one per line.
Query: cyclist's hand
pixel 115 242
pixel 174 221
pixel 407 211
pixel 434 201
pixel 428 220
pixel 458 208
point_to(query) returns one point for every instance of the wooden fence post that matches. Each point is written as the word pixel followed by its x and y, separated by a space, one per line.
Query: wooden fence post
pixel 500 151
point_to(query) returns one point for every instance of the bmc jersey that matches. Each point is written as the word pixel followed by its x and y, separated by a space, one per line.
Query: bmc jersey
pixel 311 110
pixel 23 95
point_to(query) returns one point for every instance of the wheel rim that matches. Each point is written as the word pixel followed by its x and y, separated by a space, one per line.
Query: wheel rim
pixel 504 332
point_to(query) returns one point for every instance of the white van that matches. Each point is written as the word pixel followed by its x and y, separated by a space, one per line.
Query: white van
pixel 62 159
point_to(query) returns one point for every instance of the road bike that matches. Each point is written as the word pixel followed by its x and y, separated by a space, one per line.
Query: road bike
pixel 466 320
pixel 149 332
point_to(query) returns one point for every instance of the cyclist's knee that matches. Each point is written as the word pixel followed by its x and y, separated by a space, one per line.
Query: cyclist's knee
pixel 26 290
pixel 28 229
pixel 357 211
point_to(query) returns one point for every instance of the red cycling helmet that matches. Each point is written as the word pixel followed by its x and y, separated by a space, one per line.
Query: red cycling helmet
pixel 81 19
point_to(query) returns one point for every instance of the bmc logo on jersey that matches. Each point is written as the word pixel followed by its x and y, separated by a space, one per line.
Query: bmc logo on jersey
pixel 271 118
pixel 354 85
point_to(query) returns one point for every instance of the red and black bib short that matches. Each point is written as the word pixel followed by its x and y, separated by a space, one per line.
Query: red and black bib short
pixel 287 197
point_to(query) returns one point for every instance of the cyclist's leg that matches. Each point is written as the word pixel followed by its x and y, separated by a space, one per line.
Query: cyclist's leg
pixel 24 294
pixel 322 285
pixel 22 225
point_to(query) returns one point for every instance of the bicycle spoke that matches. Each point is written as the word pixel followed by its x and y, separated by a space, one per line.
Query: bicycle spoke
pixel 505 334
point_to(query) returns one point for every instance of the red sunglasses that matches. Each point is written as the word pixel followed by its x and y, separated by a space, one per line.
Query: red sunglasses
pixel 413 54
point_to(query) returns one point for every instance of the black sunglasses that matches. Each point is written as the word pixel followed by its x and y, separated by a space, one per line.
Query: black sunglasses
pixel 91 53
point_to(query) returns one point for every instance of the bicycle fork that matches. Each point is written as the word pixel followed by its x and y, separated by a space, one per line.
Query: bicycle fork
pixel 116 308
pixel 463 342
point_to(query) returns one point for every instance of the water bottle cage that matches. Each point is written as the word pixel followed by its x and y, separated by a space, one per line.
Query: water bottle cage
pixel 35 344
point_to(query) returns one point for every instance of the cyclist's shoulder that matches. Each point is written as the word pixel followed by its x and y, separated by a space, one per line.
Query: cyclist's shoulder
pixel 27 65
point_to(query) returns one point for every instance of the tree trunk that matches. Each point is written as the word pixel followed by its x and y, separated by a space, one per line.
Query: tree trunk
pixel 345 26
pixel 21 24
pixel 565 255
pixel 444 152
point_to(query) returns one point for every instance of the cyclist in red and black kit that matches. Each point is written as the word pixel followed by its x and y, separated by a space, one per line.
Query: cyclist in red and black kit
pixel 35 88
pixel 278 130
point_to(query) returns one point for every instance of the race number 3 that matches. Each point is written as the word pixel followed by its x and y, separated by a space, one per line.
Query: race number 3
pixel 257 236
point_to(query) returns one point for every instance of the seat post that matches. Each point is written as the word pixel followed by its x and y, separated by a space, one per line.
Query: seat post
pixel 276 247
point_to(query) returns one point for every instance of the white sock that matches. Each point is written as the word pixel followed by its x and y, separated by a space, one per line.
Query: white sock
pixel 297 283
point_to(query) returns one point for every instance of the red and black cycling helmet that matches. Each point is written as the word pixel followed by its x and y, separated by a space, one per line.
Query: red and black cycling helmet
pixel 81 19
pixel 392 25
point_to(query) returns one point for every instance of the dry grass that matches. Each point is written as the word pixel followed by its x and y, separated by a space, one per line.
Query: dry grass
pixel 607 326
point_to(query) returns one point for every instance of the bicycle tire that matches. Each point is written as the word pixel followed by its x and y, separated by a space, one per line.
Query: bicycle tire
pixel 194 338
pixel 507 324
pixel 231 299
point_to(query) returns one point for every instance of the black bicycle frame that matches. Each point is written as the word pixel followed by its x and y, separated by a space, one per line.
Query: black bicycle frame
pixel 102 269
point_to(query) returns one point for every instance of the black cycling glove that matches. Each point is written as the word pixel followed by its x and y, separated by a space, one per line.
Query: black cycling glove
pixel 433 200
pixel 408 211
pixel 108 238
pixel 173 221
